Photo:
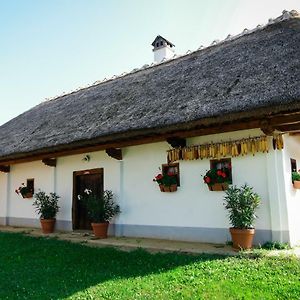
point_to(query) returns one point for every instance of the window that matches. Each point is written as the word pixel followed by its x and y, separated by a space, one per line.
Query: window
pixel 223 164
pixel 172 169
pixel 30 185
pixel 293 165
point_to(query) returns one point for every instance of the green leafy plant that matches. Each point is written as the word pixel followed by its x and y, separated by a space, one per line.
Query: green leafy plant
pixel 295 176
pixel 165 179
pixel 241 204
pixel 100 209
pixel 275 246
pixel 215 175
pixel 46 205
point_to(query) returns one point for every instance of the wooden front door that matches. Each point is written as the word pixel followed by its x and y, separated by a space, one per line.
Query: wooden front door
pixel 88 179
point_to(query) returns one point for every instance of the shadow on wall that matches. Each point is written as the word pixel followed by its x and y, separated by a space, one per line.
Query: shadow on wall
pixel 41 268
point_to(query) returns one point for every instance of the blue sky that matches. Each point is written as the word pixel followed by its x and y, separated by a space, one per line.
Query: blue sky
pixel 53 46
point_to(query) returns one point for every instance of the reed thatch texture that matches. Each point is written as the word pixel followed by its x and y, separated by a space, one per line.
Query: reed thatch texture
pixel 257 72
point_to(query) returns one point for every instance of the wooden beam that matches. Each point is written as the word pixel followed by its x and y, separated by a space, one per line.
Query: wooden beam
pixel 176 142
pixel 51 162
pixel 5 169
pixel 289 127
pixel 284 119
pixel 114 153
pixel 266 128
pixel 294 133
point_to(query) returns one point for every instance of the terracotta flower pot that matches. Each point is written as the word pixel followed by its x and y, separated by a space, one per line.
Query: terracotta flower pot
pixel 296 184
pixel 100 230
pixel 218 187
pixel 242 238
pixel 47 225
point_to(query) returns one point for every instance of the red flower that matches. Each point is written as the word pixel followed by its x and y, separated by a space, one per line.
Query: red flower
pixel 159 177
pixel 223 175
pixel 207 179
pixel 219 172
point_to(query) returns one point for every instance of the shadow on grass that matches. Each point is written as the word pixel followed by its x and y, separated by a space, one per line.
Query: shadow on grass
pixel 41 268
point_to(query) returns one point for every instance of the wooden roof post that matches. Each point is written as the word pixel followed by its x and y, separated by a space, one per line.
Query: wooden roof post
pixel 114 153
pixel 5 169
pixel 51 162
pixel 176 142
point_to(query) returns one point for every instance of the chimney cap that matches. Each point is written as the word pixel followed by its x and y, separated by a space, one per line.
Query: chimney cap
pixel 160 38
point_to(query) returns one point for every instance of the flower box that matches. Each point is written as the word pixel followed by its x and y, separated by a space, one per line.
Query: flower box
pixel 25 191
pixel 296 184
pixel 166 182
pixel 27 195
pixel 218 187
pixel 168 189
pixel 218 178
pixel 296 179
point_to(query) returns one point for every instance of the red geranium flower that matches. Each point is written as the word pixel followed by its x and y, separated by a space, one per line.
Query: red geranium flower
pixel 219 172
pixel 159 177
pixel 207 179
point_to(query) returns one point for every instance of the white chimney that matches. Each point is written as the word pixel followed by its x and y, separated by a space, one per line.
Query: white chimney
pixel 162 49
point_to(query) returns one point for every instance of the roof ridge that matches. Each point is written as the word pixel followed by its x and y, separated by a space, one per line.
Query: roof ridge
pixel 286 15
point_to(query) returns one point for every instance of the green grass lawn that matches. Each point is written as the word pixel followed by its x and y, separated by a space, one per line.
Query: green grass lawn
pixel 40 268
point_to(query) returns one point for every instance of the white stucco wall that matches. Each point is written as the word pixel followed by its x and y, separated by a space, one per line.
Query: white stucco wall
pixel 17 207
pixel 193 205
pixel 143 206
pixel 292 150
pixel 3 197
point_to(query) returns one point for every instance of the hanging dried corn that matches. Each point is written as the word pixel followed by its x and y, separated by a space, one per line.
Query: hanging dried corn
pixel 224 149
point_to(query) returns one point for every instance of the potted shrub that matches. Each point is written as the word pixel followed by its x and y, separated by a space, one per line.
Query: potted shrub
pixel 47 207
pixel 100 210
pixel 241 204
pixel 296 180
pixel 24 191
pixel 166 182
pixel 218 179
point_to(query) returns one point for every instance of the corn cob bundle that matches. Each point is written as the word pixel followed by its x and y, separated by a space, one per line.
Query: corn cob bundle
pixel 279 142
pixel 224 149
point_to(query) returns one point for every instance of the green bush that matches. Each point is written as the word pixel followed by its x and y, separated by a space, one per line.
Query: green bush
pixel 102 208
pixel 46 205
pixel 295 176
pixel 275 246
pixel 241 204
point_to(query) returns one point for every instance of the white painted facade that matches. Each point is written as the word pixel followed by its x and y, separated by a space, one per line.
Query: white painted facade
pixel 192 213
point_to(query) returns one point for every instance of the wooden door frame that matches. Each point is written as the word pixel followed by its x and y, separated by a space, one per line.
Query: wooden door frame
pixel 74 199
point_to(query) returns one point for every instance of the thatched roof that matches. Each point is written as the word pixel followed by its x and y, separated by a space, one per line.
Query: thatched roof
pixel 256 73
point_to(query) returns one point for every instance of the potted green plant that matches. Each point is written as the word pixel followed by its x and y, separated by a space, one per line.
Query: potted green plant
pixel 24 191
pixel 217 179
pixel 166 182
pixel 101 209
pixel 241 204
pixel 47 207
pixel 296 180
